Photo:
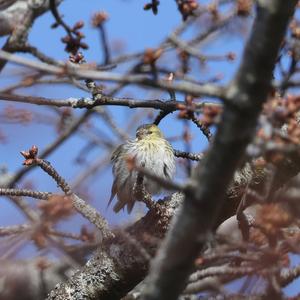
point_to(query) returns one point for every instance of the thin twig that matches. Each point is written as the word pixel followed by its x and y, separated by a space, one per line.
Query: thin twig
pixel 167 106
pixel 209 90
pixel 54 145
pixel 25 193
pixel 162 114
pixel 14 229
pixel 80 205
pixel 141 194
pixel 221 271
pixel 55 13
pixel 287 276
pixel 205 130
pixel 104 44
pixel 165 183
pixel 47 167
pixel 188 155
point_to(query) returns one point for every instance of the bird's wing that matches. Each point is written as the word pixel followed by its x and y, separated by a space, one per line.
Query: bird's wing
pixel 117 152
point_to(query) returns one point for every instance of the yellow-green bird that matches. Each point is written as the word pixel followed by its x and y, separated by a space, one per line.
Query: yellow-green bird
pixel 150 150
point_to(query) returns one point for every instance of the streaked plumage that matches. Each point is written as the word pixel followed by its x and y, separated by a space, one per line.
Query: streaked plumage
pixel 150 150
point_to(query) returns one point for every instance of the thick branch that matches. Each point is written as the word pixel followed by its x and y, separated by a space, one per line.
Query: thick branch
pixel 16 20
pixel 120 263
pixel 12 16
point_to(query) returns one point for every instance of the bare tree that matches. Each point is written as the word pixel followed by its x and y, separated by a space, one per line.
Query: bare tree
pixel 235 216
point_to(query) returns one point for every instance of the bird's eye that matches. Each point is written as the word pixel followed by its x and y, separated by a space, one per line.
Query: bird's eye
pixel 150 132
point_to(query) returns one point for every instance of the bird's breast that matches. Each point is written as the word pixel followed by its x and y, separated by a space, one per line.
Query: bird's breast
pixel 158 158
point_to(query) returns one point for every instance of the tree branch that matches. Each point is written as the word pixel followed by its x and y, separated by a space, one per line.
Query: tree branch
pixel 101 100
pixel 209 90
pixel 25 193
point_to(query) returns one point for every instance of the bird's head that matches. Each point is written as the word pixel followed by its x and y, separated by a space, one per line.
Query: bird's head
pixel 148 131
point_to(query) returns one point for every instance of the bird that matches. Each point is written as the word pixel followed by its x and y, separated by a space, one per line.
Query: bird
pixel 149 150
